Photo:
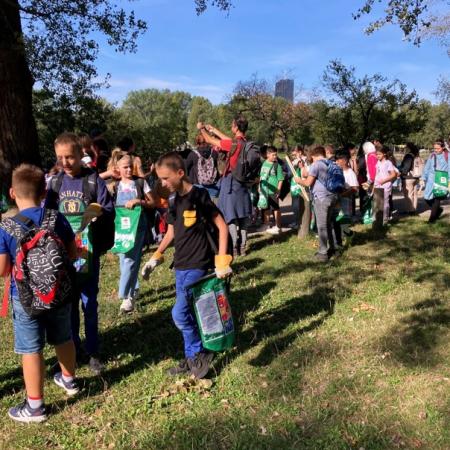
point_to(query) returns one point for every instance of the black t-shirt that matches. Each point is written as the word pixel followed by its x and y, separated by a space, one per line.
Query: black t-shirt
pixel 188 215
pixel 192 162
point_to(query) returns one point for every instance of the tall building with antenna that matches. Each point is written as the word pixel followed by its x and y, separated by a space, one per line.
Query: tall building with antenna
pixel 285 89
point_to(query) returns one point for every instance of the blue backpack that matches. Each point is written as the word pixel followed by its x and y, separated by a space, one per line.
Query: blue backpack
pixel 335 181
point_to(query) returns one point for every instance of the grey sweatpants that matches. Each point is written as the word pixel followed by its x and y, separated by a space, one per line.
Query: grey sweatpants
pixel 323 209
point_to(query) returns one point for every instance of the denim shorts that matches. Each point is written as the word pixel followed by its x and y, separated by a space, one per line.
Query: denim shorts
pixel 30 333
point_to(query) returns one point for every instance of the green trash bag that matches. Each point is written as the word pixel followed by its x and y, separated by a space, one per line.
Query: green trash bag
pixel 263 202
pixel 367 217
pixel 126 225
pixel 84 262
pixel 213 313
pixel 440 186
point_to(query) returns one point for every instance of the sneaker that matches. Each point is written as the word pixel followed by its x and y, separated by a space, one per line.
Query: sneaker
pixel 25 413
pixel 293 225
pixel 71 387
pixel 181 368
pixel 200 364
pixel 243 251
pixel 95 365
pixel 274 230
pixel 126 306
pixel 321 257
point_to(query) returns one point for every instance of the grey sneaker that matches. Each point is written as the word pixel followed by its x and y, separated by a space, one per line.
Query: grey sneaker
pixel 25 413
pixel 95 365
pixel 71 387
pixel 321 257
pixel 181 368
pixel 200 364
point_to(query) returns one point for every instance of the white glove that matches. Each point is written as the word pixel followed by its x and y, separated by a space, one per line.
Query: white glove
pixel 156 260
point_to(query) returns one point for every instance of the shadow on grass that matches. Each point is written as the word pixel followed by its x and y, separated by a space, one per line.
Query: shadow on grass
pixel 414 339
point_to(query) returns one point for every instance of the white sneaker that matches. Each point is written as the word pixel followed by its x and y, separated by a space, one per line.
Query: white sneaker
pixel 273 230
pixel 127 305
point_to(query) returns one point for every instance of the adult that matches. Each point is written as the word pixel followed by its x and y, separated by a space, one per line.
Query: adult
pixel 234 196
pixel 127 145
pixel 201 166
pixel 436 173
pixel 410 171
pixel 367 166
pixel 324 202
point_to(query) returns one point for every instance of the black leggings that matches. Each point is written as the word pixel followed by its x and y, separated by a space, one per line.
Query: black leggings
pixel 435 205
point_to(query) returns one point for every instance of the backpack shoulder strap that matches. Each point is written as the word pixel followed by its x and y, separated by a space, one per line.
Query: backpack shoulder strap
pixel 139 183
pixel 13 228
pixel 90 187
pixel 171 201
pixel 49 220
pixel 56 182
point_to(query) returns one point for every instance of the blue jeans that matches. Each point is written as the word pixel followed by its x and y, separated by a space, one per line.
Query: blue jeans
pixel 182 312
pixel 89 305
pixel 30 333
pixel 129 264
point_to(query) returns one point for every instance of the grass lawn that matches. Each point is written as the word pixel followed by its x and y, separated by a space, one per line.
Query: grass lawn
pixel 351 354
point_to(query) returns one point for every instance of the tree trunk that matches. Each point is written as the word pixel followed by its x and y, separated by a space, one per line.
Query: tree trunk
pixel 18 135
pixel 304 218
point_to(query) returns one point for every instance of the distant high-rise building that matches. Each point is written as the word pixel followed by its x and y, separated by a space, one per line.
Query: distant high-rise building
pixel 285 89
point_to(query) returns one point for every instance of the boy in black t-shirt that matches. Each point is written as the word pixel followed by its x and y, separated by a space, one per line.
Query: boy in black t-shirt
pixel 190 212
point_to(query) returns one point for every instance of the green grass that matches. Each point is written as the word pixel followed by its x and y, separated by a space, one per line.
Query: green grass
pixel 352 354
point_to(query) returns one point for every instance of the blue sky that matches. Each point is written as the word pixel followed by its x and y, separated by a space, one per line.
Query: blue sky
pixel 207 55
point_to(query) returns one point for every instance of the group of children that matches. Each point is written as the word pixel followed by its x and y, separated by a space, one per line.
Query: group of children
pixel 324 178
pixel 70 193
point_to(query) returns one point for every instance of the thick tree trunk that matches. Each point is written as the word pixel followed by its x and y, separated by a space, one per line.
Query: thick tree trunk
pixel 18 135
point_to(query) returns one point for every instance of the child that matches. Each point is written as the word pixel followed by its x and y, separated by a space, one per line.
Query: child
pixel 191 211
pixel 130 192
pixel 28 190
pixel 351 187
pixel 271 180
pixel 323 200
pixel 437 168
pixel 70 192
pixel 385 174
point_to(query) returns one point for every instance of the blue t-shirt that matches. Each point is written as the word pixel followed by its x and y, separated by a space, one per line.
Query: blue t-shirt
pixel 8 243
pixel 71 200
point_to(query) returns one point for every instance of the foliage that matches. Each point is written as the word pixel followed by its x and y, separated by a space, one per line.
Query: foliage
pixel 157 120
pixel 202 5
pixel 60 47
pixel 55 114
pixel 416 18
pixel 372 105
pixel 273 119
pixel 443 90
pixel 437 125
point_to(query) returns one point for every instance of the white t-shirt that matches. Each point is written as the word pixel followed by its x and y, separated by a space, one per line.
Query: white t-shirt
pixel 350 178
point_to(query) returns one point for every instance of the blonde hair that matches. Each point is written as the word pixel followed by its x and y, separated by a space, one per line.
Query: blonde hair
pixel 116 155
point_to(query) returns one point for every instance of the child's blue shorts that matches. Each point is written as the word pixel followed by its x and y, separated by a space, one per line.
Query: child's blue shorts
pixel 30 333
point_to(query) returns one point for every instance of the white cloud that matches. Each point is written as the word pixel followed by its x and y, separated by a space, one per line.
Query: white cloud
pixel 119 87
